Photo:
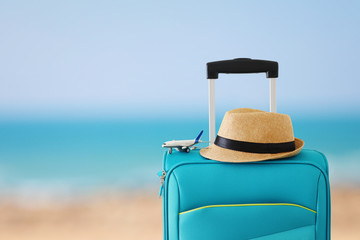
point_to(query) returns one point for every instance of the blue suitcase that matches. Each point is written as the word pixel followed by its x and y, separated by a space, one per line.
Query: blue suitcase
pixel 285 199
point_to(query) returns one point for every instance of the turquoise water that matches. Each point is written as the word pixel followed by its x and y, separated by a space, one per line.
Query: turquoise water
pixel 67 156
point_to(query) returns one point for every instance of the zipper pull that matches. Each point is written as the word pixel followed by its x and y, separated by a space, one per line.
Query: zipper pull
pixel 162 175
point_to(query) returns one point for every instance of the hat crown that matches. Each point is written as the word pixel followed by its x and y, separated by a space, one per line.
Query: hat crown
pixel 250 125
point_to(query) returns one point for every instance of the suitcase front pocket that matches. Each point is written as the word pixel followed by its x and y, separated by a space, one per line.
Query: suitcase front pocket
pixel 260 221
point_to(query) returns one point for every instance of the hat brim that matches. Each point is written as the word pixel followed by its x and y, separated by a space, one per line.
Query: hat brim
pixel 217 153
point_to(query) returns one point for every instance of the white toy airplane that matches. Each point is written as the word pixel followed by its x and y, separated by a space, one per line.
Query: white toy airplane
pixel 182 145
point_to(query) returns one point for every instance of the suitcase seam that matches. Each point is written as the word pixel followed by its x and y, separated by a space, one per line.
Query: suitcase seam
pixel 282 231
pixel 178 219
pixel 324 160
pixel 317 202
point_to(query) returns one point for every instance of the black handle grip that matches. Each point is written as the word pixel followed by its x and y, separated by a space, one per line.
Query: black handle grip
pixel 242 65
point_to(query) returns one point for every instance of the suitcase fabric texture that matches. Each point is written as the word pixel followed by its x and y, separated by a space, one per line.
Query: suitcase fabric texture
pixel 284 199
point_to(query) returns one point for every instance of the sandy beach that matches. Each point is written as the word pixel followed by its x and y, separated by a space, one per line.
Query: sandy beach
pixel 136 216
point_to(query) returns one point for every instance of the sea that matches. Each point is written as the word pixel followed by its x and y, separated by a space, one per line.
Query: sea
pixel 57 159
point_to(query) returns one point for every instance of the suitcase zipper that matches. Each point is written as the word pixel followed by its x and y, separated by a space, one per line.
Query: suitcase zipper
pixel 162 175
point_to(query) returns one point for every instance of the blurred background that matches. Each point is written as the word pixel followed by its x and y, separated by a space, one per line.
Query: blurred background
pixel 89 90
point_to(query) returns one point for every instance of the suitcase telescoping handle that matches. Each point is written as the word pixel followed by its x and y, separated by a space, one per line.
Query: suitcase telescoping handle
pixel 239 65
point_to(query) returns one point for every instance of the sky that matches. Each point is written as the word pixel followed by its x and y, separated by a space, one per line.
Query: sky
pixel 148 58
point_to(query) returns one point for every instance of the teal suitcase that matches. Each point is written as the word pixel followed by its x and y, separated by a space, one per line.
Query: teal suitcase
pixel 285 199
pixel 268 200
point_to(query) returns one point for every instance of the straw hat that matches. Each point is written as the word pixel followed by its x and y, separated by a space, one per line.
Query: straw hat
pixel 249 135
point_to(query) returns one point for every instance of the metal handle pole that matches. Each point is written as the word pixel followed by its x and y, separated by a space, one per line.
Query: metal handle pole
pixel 211 110
pixel 273 95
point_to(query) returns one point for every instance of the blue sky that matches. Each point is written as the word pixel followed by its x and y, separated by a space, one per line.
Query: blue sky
pixel 90 58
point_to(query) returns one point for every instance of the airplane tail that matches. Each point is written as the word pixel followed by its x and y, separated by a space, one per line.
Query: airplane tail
pixel 199 136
